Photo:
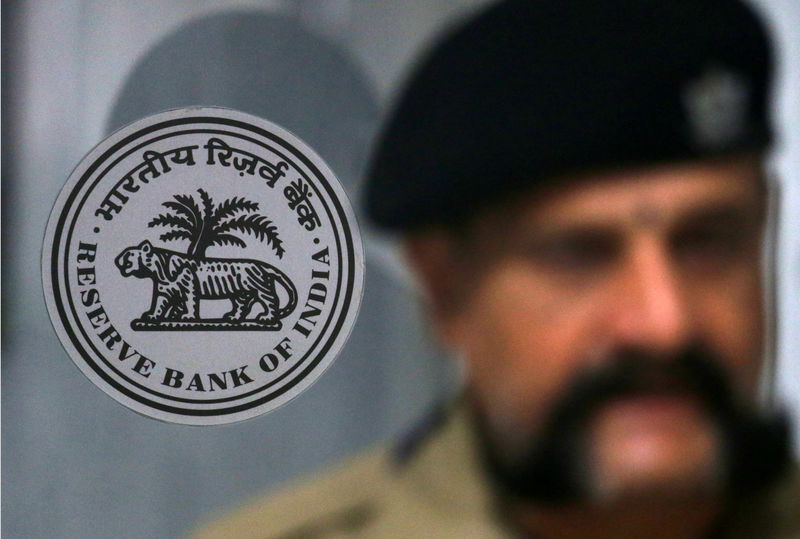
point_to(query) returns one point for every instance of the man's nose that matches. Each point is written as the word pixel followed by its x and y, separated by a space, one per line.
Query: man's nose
pixel 650 310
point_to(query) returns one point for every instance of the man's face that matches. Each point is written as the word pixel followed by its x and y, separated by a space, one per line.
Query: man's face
pixel 652 261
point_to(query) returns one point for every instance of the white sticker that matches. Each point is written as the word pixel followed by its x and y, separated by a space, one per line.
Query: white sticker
pixel 202 266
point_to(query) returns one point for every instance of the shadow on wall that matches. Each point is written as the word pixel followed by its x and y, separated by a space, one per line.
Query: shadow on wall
pixel 268 65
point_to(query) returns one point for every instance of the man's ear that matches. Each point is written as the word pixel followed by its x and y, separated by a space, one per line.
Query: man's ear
pixel 432 258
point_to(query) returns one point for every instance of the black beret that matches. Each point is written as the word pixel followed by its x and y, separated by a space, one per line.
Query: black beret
pixel 529 91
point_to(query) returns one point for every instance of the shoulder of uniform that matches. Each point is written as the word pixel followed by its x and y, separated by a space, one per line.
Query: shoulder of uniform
pixel 344 499
pixel 784 505
pixel 774 513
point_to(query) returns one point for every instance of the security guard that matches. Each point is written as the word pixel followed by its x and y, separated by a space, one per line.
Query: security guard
pixel 580 189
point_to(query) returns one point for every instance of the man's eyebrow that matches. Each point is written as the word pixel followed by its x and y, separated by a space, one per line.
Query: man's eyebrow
pixel 604 231
pixel 728 212
pixel 733 212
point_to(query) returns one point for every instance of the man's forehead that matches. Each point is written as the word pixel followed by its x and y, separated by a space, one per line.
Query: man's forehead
pixel 643 196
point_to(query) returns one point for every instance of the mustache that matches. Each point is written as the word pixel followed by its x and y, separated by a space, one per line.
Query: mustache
pixel 755 447
pixel 693 372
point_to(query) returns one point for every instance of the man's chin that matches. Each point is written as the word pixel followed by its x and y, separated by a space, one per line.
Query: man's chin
pixel 652 446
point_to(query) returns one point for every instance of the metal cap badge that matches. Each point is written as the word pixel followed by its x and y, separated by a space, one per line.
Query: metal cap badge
pixel 202 266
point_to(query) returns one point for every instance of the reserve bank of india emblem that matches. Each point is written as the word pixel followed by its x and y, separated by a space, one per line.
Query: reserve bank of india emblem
pixel 202 266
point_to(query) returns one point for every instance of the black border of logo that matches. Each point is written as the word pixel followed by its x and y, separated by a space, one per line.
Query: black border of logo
pixel 346 301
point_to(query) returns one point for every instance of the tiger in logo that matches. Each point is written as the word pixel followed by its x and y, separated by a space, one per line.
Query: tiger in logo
pixel 181 281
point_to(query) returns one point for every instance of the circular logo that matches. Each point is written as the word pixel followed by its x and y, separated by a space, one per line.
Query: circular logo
pixel 202 266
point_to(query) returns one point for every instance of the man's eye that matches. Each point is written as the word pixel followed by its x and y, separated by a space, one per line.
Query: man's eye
pixel 575 252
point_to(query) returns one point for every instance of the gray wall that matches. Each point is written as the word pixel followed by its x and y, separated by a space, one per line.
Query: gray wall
pixel 77 464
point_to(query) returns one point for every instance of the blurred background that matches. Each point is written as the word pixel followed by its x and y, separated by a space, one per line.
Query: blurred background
pixel 77 464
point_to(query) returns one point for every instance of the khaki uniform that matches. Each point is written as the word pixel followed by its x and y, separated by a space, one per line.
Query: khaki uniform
pixel 435 490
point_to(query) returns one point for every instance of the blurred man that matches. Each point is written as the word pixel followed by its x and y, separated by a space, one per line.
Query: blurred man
pixel 581 193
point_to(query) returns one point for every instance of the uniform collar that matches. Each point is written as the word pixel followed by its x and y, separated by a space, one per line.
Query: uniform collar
pixel 441 463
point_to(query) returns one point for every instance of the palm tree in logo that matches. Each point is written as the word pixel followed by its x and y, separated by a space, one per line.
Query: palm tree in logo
pixel 215 225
